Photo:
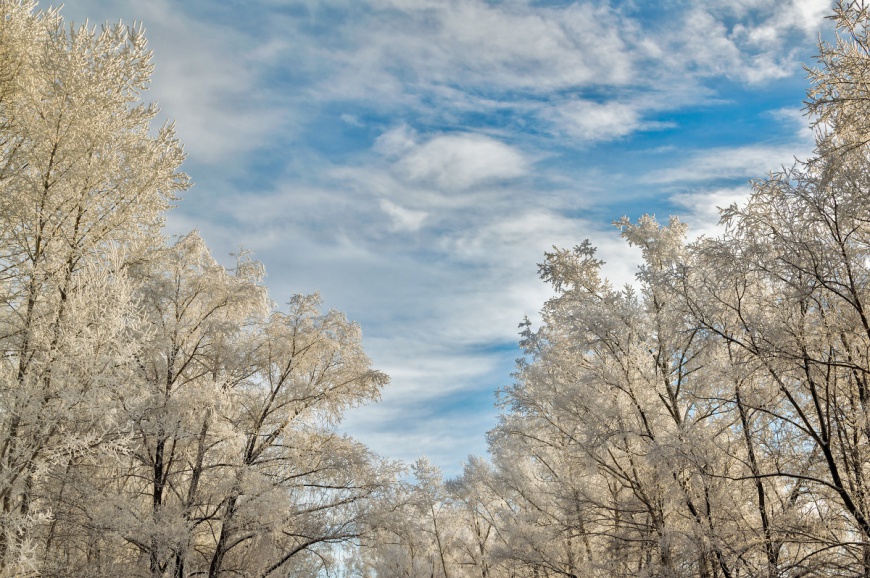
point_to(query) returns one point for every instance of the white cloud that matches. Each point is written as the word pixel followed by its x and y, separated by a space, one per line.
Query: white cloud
pixel 205 77
pixel 800 121
pixel 461 161
pixel 807 14
pixel 396 142
pixel 508 246
pixel 505 45
pixel 403 219
pixel 445 438
pixel 448 56
pixel 741 39
pixel 802 15
pixel 702 208
pixel 351 120
pixel 747 162
pixel 592 121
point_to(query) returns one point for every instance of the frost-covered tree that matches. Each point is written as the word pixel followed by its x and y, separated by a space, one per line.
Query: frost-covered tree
pixel 158 415
pixel 296 484
pixel 83 187
pixel 614 406
pixel 419 535
pixel 790 304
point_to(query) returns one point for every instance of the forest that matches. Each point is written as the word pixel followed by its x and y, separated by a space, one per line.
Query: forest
pixel 161 416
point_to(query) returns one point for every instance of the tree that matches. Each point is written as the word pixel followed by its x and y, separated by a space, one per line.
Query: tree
pixel 158 415
pixel 83 187
pixel 795 305
pixel 308 368
pixel 479 511
pixel 712 420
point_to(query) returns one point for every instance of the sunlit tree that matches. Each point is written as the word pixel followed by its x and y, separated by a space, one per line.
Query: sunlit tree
pixel 159 416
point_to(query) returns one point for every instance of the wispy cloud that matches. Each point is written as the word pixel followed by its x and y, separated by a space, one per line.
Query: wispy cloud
pixel 742 162
pixel 588 121
pixel 403 219
pixel 207 77
pixel 476 44
pixel 748 40
pixel 703 208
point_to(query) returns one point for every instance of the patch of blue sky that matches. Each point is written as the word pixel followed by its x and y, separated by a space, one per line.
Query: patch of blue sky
pixel 338 139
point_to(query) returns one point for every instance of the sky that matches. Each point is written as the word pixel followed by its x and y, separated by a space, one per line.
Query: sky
pixel 412 160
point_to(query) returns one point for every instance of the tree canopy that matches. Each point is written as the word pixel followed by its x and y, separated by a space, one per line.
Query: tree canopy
pixel 159 415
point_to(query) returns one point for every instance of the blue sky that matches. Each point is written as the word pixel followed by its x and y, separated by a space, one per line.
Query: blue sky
pixel 413 159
